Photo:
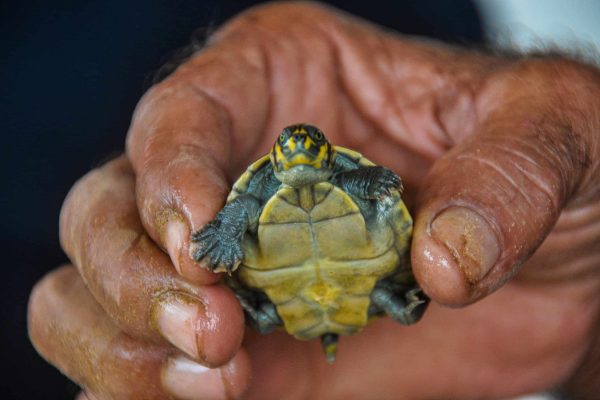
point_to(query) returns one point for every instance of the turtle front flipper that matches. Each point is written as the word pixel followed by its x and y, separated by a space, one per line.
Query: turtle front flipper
pixel 220 241
pixel 369 183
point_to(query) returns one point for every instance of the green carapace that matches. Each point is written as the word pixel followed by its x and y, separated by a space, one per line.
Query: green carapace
pixel 315 240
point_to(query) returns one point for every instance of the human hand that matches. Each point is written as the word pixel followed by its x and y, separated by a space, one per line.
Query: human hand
pixel 506 146
pixel 121 342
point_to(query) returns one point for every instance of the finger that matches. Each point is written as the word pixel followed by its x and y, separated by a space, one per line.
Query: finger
pixel 71 331
pixel 182 145
pixel 490 202
pixel 133 280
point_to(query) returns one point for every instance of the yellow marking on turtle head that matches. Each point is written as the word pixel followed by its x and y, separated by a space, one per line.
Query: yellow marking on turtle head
pixel 300 129
pixel 308 143
pixel 291 143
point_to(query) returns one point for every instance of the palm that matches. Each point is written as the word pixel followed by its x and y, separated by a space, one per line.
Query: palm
pixel 518 338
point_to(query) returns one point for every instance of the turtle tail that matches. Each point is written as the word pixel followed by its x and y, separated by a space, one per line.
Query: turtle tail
pixel 329 342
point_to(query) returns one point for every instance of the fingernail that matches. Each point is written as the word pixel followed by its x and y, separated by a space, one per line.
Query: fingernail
pixel 187 380
pixel 469 239
pixel 178 317
pixel 176 232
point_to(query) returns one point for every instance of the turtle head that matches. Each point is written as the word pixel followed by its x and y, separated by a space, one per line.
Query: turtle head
pixel 302 155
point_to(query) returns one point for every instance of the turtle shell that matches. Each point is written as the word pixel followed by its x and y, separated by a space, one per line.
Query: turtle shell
pixel 317 257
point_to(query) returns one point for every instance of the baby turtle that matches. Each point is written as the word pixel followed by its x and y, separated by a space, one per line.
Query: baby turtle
pixel 318 237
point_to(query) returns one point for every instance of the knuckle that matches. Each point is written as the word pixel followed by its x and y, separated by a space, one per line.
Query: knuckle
pixel 517 185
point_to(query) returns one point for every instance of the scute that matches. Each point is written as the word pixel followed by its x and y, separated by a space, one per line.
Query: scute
pixel 355 156
pixel 241 184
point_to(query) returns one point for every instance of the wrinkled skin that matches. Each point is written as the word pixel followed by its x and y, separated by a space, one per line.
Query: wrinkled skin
pixel 509 147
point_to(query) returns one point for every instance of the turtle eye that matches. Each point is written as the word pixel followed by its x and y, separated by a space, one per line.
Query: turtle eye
pixel 318 135
pixel 282 138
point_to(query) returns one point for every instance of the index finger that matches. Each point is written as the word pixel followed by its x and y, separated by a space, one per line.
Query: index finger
pixel 189 133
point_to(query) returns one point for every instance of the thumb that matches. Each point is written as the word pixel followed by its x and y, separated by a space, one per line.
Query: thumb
pixel 490 202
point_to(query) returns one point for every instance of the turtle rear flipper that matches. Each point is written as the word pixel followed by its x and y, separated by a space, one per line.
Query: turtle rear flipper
pixel 403 306
pixel 259 311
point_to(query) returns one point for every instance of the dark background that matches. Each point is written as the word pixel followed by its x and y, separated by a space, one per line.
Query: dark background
pixel 71 73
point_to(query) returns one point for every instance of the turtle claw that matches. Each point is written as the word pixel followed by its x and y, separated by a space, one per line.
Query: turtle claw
pixel 229 259
pixel 405 308
pixel 416 302
pixel 221 252
pixel 413 295
pixel 410 307
pixel 383 181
